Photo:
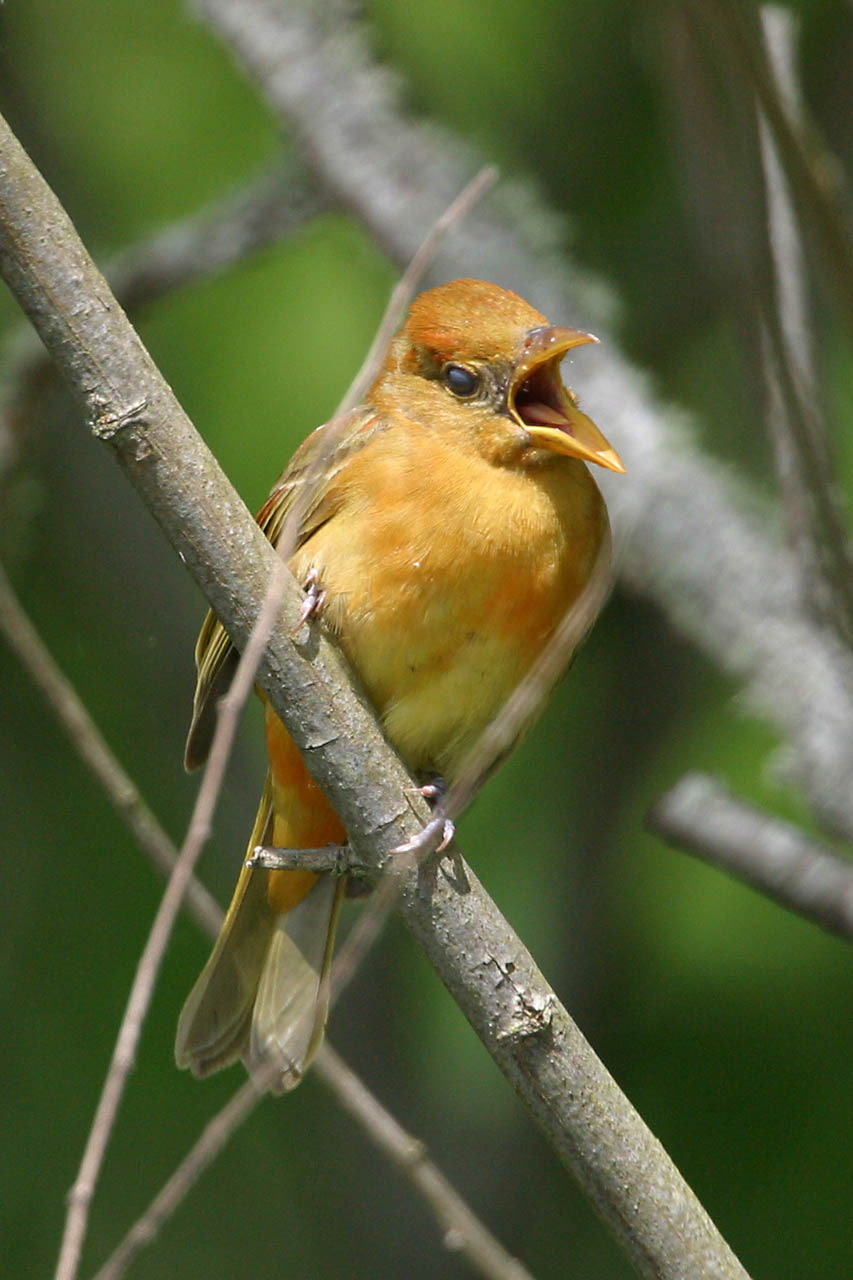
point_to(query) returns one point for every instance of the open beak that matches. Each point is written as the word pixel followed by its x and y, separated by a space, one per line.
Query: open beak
pixel 546 409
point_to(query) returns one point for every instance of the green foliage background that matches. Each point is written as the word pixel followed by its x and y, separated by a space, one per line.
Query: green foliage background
pixel 728 1022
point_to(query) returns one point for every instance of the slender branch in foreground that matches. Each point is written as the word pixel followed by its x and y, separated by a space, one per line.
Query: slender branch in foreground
pixel 772 856
pixel 408 284
pixel 348 1090
pixel 699 547
pixel 623 1169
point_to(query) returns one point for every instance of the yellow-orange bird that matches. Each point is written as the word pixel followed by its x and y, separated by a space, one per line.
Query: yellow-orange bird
pixel 450 530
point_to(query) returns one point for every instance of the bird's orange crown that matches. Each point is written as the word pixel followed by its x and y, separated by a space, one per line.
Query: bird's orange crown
pixel 470 318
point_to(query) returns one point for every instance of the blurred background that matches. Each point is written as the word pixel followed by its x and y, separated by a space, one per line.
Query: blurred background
pixel 727 1020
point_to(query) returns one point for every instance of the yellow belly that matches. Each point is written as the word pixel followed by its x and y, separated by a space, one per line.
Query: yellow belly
pixel 444 592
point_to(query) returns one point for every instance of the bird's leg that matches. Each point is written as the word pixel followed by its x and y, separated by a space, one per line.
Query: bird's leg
pixel 314 599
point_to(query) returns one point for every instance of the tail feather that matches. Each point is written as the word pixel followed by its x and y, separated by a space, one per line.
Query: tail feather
pixel 214 1025
pixel 263 994
pixel 292 1002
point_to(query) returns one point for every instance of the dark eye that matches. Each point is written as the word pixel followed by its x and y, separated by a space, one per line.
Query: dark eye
pixel 461 381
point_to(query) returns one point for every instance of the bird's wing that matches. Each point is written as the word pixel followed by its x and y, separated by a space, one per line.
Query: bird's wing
pixel 308 491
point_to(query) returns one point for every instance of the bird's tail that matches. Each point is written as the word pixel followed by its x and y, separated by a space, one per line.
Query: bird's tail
pixel 263 994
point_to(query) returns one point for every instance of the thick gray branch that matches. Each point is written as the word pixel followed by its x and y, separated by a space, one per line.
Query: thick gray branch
pixel 623 1168
pixel 689 535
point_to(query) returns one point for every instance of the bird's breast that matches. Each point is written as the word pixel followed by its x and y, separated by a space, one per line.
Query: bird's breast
pixel 444 579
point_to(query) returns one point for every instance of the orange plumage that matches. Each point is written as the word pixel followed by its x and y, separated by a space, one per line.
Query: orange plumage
pixel 450 530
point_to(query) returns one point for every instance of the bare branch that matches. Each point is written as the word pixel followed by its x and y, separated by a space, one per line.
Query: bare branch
pixel 627 1174
pixel 63 700
pixel 770 855
pixel 265 211
pixel 816 523
pixel 463 1232
pixel 810 166
pixel 148 967
pixel 693 539
pixel 213 1138
pixel 411 279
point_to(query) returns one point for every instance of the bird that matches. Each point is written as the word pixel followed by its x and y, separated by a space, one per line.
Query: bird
pixel 444 530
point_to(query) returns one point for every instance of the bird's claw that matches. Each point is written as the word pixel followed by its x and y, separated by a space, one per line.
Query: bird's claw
pixel 435 837
pixel 432 790
pixel 313 602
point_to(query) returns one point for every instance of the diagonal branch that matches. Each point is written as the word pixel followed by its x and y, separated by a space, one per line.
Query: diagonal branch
pixel 774 857
pixel 621 1166
pixel 462 1230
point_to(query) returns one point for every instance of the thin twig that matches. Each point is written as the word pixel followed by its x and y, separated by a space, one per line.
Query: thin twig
pixel 461 1229
pixel 816 522
pixel 214 1137
pixel 773 856
pixel 409 282
pixel 124 1053
pixel 401 295
pixel 810 165
pixel 463 1232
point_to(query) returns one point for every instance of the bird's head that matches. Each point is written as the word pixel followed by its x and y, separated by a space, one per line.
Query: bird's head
pixel 472 345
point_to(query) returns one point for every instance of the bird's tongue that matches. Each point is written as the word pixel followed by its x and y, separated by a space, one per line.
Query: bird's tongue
pixel 536 414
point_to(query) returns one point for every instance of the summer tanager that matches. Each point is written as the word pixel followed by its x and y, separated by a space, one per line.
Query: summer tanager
pixel 448 533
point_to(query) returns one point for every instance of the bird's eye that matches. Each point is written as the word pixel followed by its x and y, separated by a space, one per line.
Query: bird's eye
pixel 461 381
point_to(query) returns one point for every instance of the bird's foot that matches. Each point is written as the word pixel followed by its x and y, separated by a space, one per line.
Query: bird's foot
pixel 435 837
pixel 314 599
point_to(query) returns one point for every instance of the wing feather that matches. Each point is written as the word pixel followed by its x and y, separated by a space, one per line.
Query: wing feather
pixel 307 486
